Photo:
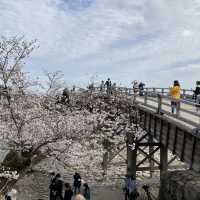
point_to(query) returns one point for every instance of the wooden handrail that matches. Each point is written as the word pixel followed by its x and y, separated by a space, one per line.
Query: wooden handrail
pixel 162 102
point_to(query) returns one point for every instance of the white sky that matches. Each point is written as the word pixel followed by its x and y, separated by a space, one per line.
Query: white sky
pixel 154 41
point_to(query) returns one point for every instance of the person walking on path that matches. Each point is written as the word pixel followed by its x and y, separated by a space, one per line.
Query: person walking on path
pixel 126 192
pixel 77 182
pixel 12 195
pixel 68 192
pixel 52 188
pixel 132 188
pixel 175 93
pixel 86 191
pixel 58 187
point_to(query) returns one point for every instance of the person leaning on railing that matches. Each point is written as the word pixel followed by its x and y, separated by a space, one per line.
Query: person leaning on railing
pixel 197 95
pixel 175 93
pixel 197 90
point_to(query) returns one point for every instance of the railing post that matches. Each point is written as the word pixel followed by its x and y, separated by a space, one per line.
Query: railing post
pixel 134 95
pixel 163 90
pixel 184 94
pixel 126 91
pixel 129 91
pixel 159 104
pixel 178 107
pixel 154 90
pixel 145 97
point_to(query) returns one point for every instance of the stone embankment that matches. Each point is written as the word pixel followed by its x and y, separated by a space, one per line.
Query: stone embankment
pixel 180 185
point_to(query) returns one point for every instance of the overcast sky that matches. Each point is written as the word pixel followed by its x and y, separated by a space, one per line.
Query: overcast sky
pixel 154 41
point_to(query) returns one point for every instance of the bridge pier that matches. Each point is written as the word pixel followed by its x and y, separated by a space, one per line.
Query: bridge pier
pixel 131 156
pixel 151 162
pixel 163 159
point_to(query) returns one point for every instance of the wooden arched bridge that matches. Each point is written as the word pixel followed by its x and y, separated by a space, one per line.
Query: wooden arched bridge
pixel 179 133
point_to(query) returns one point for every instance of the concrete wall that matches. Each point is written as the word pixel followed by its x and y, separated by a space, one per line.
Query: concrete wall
pixel 180 185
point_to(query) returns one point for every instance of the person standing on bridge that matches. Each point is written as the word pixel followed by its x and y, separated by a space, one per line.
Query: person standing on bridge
pixel 141 88
pixel 197 95
pixel 175 93
pixel 135 87
pixel 197 90
pixel 102 86
pixel 108 86
pixel 114 89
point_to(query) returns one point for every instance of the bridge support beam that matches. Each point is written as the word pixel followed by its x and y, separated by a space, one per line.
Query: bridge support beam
pixel 163 159
pixel 151 162
pixel 131 156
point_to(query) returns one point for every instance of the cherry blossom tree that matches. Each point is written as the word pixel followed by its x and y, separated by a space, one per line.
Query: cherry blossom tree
pixel 86 133
pixel 29 128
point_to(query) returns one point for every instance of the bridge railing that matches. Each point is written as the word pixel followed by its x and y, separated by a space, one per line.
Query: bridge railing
pixel 187 110
pixel 185 93
pixel 160 100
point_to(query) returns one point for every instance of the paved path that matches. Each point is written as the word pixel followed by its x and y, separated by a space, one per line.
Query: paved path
pixel 35 186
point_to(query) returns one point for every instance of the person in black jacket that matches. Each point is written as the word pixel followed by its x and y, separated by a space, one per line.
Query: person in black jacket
pixel 77 182
pixel 197 90
pixel 8 197
pixel 108 86
pixel 141 88
pixel 86 191
pixel 58 187
pixel 68 192
pixel 52 186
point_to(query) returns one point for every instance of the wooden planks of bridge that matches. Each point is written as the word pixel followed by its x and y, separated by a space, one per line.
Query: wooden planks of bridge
pixel 172 135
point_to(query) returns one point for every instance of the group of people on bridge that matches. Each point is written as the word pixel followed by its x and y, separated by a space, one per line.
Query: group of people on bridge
pixel 111 88
pixel 139 89
pixel 56 188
